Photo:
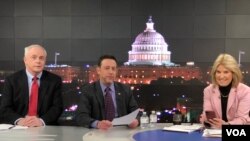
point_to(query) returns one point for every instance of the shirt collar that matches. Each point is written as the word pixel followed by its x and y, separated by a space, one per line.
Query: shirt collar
pixel 30 76
pixel 112 87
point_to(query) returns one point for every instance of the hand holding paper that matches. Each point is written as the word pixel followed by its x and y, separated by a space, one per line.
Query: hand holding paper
pixel 125 120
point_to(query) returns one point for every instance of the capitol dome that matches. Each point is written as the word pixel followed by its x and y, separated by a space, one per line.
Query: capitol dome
pixel 149 48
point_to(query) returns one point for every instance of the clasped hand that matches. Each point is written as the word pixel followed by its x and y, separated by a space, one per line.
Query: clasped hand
pixel 30 121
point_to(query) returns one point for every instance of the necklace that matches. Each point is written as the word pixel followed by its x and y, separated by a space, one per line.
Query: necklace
pixel 223 95
pixel 225 90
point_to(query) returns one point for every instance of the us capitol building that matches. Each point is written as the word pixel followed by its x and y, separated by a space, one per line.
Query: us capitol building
pixel 149 60
pixel 149 48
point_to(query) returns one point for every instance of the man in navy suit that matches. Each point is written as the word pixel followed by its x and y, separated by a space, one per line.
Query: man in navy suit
pixel 91 108
pixel 17 92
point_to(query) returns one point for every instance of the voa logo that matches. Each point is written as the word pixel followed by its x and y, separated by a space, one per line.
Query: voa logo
pixel 236 132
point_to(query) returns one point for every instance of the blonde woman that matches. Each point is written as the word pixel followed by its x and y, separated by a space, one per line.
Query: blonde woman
pixel 227 99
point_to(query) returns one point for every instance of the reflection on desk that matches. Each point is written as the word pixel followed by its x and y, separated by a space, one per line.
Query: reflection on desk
pixel 47 133
pixel 119 133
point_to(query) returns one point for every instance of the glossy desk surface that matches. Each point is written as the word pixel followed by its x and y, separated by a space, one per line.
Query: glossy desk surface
pixel 47 133
pixel 119 133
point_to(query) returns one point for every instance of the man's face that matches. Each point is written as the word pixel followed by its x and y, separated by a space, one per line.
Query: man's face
pixel 223 76
pixel 35 60
pixel 107 71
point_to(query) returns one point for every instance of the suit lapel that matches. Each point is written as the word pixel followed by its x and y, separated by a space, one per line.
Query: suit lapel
pixel 99 96
pixel 42 89
pixel 217 100
pixel 24 85
pixel 231 98
pixel 118 97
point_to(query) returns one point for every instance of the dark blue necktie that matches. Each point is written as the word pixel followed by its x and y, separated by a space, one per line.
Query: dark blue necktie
pixel 109 105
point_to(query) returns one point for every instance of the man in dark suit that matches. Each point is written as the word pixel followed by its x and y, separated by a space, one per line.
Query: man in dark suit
pixel 16 98
pixel 92 106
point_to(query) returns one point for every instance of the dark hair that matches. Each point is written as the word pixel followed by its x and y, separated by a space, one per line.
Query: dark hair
pixel 106 57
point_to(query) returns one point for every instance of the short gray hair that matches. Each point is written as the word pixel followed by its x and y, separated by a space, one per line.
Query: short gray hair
pixel 26 49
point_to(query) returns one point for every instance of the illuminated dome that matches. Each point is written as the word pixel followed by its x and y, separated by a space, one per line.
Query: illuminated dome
pixel 149 48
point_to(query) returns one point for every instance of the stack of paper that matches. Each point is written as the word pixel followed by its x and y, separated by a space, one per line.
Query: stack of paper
pixel 212 133
pixel 184 128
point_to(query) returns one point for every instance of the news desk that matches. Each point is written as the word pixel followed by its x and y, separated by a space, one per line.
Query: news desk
pixel 119 133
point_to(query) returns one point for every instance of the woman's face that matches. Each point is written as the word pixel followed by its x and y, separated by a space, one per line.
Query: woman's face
pixel 223 76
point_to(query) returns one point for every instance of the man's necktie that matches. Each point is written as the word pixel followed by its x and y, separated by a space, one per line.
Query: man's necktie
pixel 33 98
pixel 109 105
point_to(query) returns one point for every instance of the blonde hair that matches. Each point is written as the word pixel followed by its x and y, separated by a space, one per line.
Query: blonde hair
pixel 229 63
pixel 26 49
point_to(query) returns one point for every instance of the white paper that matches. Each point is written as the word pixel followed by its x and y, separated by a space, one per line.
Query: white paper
pixel 127 119
pixel 10 126
pixel 212 133
pixel 184 128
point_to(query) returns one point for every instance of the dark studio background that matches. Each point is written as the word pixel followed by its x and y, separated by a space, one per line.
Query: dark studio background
pixel 82 30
